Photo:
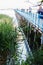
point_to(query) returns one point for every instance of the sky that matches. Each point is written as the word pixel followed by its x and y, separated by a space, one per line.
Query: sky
pixel 4 4
pixel 11 3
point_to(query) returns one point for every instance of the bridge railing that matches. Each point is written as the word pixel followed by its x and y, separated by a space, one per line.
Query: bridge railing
pixel 33 18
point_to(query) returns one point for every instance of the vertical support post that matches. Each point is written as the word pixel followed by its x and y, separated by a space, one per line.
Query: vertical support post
pixel 38 22
pixel 33 17
pixel 37 18
pixel 35 34
pixel 42 33
pixel 42 39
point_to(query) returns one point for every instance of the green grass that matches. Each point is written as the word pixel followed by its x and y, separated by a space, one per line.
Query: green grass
pixel 8 37
pixel 5 18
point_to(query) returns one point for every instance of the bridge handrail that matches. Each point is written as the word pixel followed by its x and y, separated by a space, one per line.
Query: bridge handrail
pixel 33 18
